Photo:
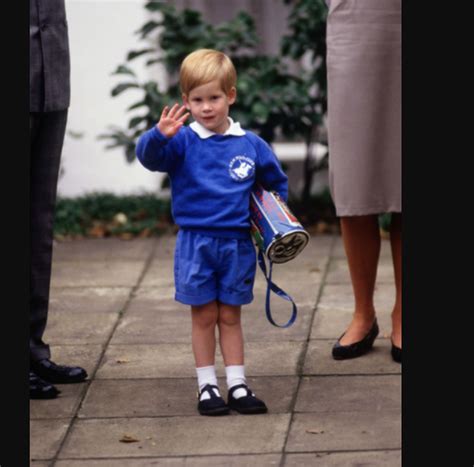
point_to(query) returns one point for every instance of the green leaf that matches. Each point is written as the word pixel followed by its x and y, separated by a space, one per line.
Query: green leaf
pixel 137 105
pixel 122 87
pixel 123 70
pixel 137 53
pixel 135 121
pixel 147 28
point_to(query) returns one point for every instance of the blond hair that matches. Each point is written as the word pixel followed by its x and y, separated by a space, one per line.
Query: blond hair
pixel 205 65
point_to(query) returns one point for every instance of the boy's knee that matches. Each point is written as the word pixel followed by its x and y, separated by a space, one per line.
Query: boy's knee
pixel 205 316
pixel 229 318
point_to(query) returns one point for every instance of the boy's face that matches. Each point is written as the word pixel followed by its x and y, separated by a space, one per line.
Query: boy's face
pixel 209 105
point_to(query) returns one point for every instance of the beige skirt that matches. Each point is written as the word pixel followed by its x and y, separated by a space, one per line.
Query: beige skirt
pixel 364 106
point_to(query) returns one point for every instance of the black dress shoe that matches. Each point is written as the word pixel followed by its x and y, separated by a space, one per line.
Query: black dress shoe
pixel 248 404
pixel 342 352
pixel 215 405
pixel 396 353
pixel 40 389
pixel 59 374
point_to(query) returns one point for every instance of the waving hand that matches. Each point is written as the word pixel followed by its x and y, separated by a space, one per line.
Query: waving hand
pixel 172 120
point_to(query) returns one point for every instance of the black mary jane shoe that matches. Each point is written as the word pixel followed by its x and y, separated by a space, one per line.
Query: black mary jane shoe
pixel 41 389
pixel 58 374
pixel 396 353
pixel 343 352
pixel 215 405
pixel 248 404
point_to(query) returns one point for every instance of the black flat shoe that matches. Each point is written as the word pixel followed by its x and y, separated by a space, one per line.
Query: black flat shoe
pixel 396 353
pixel 248 404
pixel 41 389
pixel 342 352
pixel 58 374
pixel 215 405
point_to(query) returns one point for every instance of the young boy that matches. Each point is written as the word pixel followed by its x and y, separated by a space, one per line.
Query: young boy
pixel 213 165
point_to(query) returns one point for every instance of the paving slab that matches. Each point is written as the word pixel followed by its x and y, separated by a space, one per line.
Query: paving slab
pixel 73 328
pixel 343 431
pixel 349 394
pixel 103 249
pixel 64 406
pixel 336 307
pixel 160 273
pixel 165 246
pixel 318 247
pixel 257 328
pixel 177 361
pixel 96 274
pixel 319 360
pixel 346 459
pixel 100 438
pixel 154 327
pixel 88 299
pixel 173 397
pixel 241 460
pixel 154 299
pixel 52 433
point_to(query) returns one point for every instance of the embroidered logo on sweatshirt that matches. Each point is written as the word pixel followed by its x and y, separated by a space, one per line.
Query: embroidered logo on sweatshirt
pixel 241 168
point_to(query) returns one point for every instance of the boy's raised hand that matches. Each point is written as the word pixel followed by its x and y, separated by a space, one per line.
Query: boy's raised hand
pixel 172 120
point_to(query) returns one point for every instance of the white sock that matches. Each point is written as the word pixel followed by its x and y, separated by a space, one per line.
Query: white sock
pixel 206 375
pixel 236 375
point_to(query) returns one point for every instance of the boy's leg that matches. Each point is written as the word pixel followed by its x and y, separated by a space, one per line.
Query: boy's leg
pixel 232 344
pixel 204 320
pixel 230 334
pixel 240 397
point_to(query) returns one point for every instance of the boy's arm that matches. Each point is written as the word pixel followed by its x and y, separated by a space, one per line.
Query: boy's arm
pixel 158 148
pixel 156 152
pixel 269 171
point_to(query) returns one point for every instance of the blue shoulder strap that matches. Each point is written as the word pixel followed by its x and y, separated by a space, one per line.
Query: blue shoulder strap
pixel 274 288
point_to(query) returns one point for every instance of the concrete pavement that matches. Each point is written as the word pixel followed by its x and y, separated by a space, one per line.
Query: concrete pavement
pixel 112 311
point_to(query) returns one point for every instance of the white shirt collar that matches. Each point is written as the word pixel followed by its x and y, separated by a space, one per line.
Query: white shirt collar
pixel 234 129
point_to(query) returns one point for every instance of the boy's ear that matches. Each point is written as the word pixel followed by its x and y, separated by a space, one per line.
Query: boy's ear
pixel 232 95
pixel 185 100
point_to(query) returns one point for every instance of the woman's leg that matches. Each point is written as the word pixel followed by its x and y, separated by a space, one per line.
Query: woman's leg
pixel 396 244
pixel 204 320
pixel 230 334
pixel 361 237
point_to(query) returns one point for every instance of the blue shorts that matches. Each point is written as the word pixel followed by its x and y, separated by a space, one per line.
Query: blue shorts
pixel 209 268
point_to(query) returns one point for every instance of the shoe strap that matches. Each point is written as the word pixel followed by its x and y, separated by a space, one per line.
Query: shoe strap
pixel 239 386
pixel 208 388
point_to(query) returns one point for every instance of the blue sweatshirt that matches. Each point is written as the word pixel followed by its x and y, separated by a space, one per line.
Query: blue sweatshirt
pixel 212 176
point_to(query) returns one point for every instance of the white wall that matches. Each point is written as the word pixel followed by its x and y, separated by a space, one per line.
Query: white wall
pixel 100 35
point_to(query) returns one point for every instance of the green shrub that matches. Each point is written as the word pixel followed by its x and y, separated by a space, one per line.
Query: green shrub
pixel 105 214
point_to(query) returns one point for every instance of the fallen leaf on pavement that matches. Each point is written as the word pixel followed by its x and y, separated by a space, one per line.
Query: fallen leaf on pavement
pixel 314 431
pixel 128 439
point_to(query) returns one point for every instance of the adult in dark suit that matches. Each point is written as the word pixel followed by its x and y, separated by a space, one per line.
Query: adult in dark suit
pixel 49 101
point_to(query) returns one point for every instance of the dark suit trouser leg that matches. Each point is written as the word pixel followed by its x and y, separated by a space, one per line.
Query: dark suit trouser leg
pixel 46 136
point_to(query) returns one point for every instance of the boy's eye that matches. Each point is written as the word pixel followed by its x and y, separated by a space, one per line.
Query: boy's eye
pixel 215 97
